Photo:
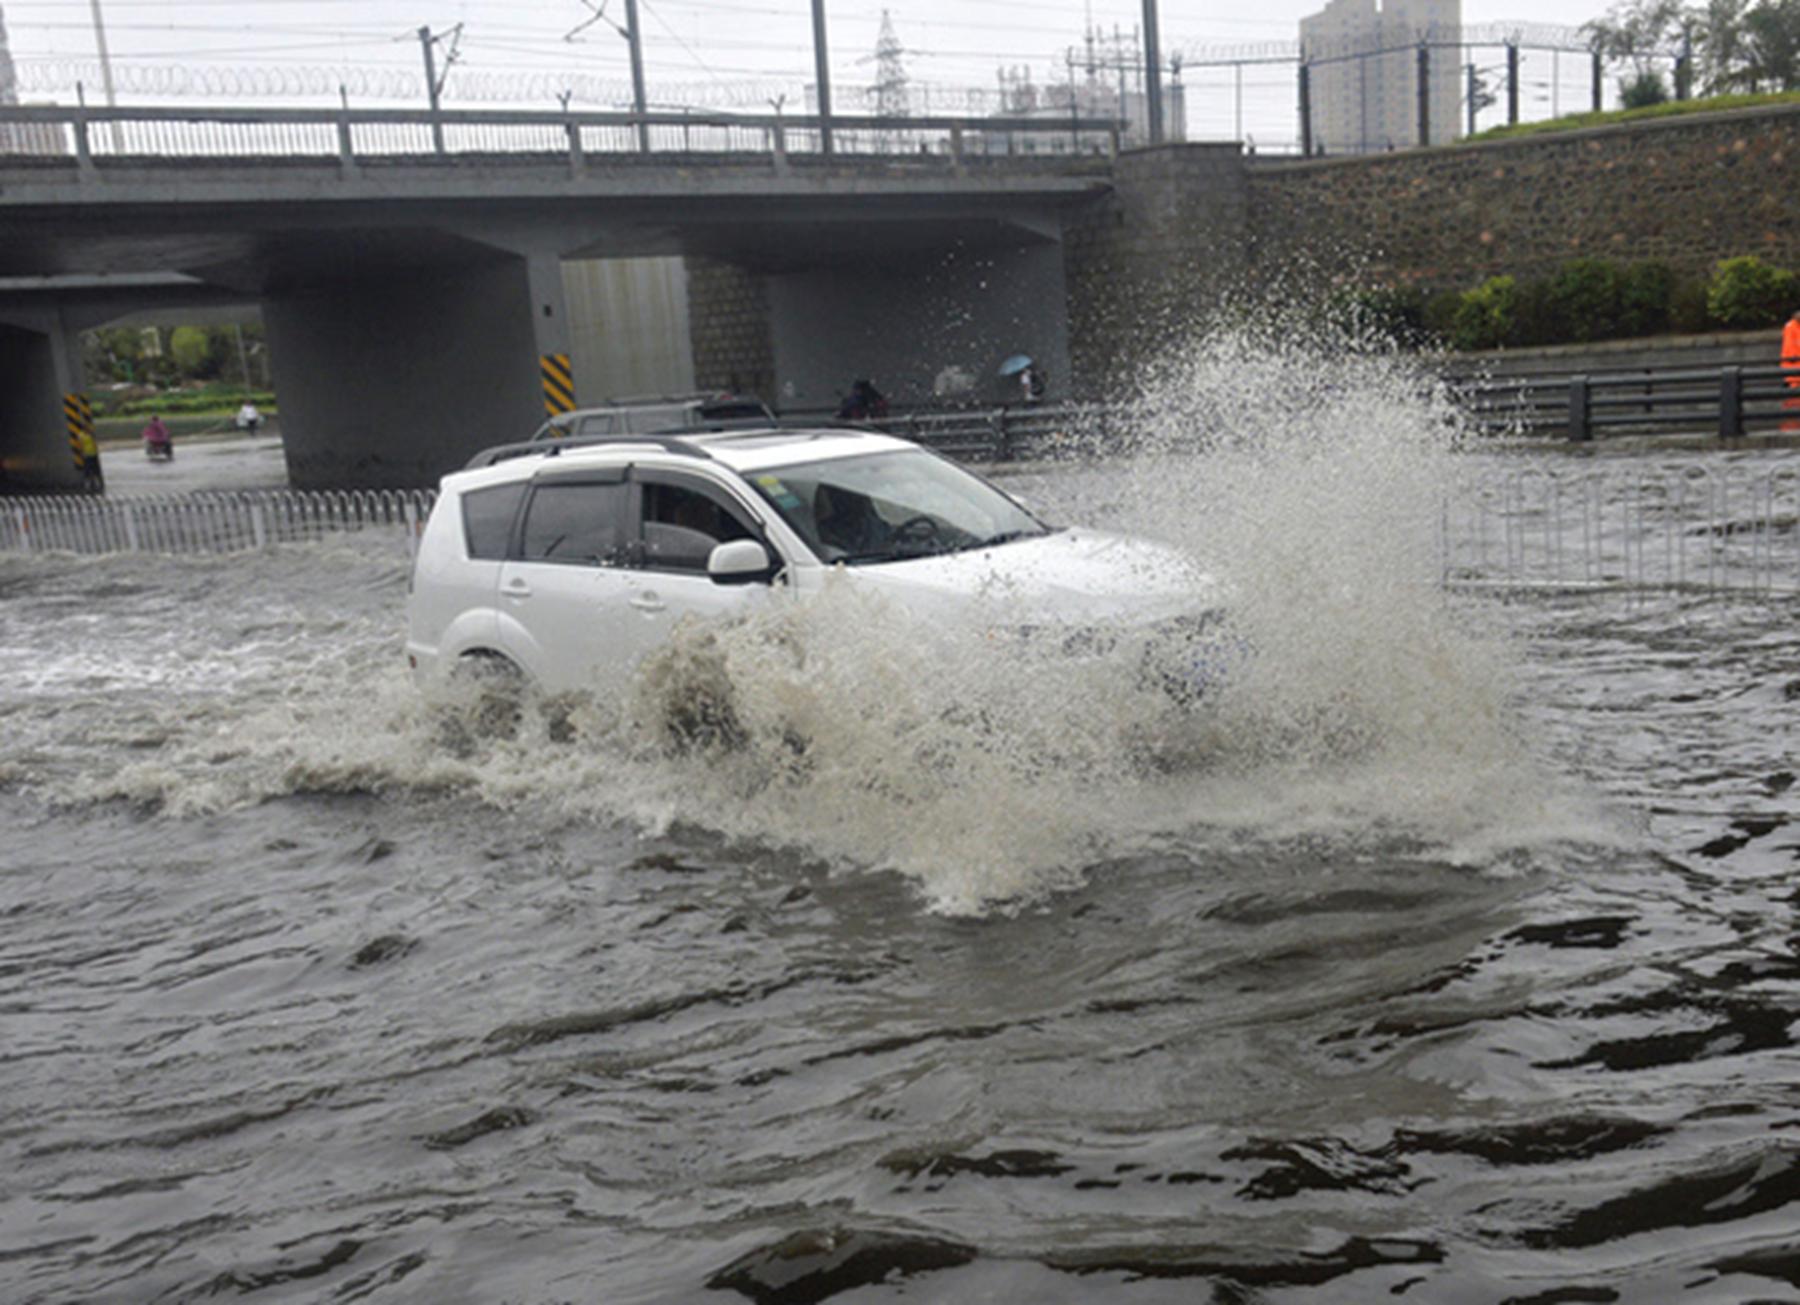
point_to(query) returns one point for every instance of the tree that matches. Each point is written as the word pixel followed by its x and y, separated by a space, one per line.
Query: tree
pixel 1717 32
pixel 189 347
pixel 1772 43
pixel 1638 32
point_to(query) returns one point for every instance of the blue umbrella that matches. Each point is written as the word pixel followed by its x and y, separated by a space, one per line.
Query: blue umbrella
pixel 1015 364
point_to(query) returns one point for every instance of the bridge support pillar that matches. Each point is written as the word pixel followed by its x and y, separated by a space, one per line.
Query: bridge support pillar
pixel 392 381
pixel 40 364
pixel 550 328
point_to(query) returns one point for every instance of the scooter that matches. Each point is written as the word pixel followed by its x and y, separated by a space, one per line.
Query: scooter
pixel 159 450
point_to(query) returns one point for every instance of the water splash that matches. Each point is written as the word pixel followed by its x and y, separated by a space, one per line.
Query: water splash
pixel 987 767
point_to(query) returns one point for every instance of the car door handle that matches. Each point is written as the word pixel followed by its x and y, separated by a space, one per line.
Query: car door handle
pixel 647 603
pixel 518 589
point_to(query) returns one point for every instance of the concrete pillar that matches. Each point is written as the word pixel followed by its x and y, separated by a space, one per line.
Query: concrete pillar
pixel 550 330
pixel 391 382
pixel 40 364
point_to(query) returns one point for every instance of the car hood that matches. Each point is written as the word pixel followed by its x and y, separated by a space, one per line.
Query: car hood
pixel 1071 577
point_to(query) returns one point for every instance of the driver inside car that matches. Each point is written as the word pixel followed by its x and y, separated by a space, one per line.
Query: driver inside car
pixel 848 522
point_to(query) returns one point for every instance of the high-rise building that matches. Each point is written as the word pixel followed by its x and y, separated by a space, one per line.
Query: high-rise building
pixel 23 137
pixel 1363 73
pixel 9 83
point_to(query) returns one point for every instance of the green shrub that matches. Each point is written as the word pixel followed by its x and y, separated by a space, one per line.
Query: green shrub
pixel 1643 91
pixel 1381 316
pixel 1646 299
pixel 1688 313
pixel 1584 299
pixel 1746 293
pixel 207 399
pixel 1484 317
pixel 1535 316
pixel 1439 316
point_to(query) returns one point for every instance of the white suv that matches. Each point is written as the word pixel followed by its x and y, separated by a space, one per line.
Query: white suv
pixel 573 561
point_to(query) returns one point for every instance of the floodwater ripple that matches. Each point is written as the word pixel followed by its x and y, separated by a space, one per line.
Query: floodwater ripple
pixel 301 1004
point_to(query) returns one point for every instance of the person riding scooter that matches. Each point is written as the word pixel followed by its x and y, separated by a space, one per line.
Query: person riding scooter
pixel 157 443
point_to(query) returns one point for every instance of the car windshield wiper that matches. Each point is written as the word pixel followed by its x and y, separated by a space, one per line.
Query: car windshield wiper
pixel 1003 537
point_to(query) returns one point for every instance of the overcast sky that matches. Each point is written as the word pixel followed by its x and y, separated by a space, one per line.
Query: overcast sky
pixel 717 52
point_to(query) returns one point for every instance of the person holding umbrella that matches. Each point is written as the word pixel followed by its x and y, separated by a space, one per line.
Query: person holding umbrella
pixel 1030 379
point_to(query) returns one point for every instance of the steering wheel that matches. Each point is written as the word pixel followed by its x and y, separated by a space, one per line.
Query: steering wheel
pixel 917 530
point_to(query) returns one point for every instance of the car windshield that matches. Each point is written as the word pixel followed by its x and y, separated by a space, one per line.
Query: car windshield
pixel 882 507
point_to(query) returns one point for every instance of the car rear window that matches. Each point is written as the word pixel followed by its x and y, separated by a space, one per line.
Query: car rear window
pixel 488 517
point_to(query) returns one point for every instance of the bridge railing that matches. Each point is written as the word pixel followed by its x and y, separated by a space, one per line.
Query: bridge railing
pixel 95 136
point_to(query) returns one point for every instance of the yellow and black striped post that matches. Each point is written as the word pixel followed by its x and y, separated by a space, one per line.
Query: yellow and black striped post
pixel 78 414
pixel 559 383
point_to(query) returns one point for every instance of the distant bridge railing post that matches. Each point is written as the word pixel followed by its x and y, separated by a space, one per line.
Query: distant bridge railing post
pixel 577 158
pixel 84 151
pixel 778 145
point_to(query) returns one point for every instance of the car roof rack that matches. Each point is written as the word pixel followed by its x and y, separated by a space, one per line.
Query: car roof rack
pixel 555 447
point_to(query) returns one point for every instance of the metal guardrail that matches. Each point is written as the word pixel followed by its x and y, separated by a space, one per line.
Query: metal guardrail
pixel 207 522
pixel 1017 433
pixel 1719 530
pixel 359 137
pixel 1726 401
pixel 1704 529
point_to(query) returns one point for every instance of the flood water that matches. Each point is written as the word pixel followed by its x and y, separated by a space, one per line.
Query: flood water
pixel 1451 954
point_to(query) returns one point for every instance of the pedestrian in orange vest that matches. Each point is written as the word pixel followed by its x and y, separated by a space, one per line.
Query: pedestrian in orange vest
pixel 1790 363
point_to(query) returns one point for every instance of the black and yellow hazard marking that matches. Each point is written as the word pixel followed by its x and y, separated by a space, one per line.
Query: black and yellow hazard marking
pixel 78 414
pixel 559 383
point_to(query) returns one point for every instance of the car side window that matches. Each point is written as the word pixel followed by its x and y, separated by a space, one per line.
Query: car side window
pixel 487 519
pixel 682 526
pixel 576 522
pixel 599 423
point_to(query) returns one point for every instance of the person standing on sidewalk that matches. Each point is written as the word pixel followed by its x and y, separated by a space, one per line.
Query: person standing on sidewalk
pixel 1790 363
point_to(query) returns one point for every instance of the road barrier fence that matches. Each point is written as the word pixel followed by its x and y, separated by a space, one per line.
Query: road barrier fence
pixel 206 522
pixel 1643 529
pixel 1723 529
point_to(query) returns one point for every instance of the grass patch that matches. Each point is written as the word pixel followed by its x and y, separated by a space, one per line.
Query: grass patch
pixel 1671 109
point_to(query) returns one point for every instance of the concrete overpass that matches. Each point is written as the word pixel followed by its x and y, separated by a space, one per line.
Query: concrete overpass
pixel 407 265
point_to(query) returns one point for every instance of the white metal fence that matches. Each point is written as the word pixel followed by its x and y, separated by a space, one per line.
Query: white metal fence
pixel 1720 529
pixel 206 522
pixel 1703 528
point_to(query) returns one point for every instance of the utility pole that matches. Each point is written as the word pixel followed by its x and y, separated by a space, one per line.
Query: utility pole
pixel 639 102
pixel 431 87
pixel 432 81
pixel 1153 108
pixel 822 71
pixel 106 77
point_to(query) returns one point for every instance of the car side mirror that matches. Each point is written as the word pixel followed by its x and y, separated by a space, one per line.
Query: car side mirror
pixel 739 562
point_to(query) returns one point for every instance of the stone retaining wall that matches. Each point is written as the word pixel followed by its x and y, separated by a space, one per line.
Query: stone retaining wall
pixel 1687 191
